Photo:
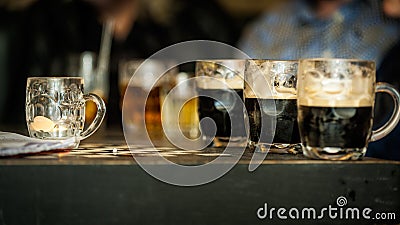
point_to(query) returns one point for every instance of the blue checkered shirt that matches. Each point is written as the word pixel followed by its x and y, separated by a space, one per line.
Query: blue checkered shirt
pixel 357 30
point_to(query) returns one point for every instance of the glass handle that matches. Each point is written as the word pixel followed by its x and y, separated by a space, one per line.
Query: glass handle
pixel 394 119
pixel 101 112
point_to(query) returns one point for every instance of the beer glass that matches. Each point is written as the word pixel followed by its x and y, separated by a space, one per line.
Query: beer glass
pixel 138 89
pixel 146 90
pixel 55 108
pixel 270 99
pixel 176 110
pixel 335 107
pixel 220 90
pixel 85 65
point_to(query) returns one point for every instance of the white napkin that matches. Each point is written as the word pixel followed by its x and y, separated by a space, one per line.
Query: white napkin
pixel 15 144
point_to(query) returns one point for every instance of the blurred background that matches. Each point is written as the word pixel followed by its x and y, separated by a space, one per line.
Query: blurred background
pixel 47 37
pixel 55 37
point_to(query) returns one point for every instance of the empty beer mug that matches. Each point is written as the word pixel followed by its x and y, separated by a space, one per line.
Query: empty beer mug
pixel 55 108
pixel 336 100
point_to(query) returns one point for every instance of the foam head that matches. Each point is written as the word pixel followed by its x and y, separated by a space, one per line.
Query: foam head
pixel 229 72
pixel 336 83
pixel 271 79
pixel 145 72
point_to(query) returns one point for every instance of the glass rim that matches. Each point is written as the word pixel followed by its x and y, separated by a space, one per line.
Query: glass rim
pixel 55 78
pixel 275 60
pixel 219 60
pixel 142 60
pixel 337 60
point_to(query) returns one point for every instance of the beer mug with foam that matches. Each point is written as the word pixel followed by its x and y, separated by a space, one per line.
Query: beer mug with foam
pixel 220 90
pixel 336 100
pixel 270 96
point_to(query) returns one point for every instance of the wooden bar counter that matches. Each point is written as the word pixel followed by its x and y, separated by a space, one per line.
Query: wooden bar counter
pixel 100 183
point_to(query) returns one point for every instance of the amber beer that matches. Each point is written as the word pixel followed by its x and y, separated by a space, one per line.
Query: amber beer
pixel 179 107
pixel 152 115
pixel 188 119
pixel 91 110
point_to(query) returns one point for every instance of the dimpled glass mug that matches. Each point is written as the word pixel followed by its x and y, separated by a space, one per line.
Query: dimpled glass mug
pixel 336 100
pixel 55 108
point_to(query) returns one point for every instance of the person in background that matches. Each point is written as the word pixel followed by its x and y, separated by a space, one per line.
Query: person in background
pixel 389 71
pixel 363 29
pixel 322 28
pixel 49 32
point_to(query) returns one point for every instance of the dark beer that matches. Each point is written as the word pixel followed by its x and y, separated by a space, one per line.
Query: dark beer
pixel 222 112
pixel 341 127
pixel 285 113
